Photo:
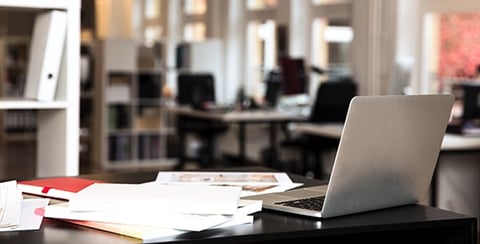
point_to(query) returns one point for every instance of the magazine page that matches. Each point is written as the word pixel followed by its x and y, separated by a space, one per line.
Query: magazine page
pixel 253 183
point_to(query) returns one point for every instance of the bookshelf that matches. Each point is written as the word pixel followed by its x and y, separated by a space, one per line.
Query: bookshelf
pixel 134 123
pixel 57 127
pixel 19 125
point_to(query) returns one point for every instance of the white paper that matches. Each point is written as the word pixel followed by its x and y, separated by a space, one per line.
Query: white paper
pixel 252 183
pixel 191 199
pixel 31 215
pixel 191 222
pixel 156 235
pixel 10 204
pixel 228 178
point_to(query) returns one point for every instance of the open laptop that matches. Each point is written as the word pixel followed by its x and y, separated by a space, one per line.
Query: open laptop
pixel 386 157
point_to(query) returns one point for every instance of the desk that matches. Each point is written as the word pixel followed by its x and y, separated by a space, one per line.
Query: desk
pixel 332 130
pixel 408 224
pixel 450 143
pixel 273 117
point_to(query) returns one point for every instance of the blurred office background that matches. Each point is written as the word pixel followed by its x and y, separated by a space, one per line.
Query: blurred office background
pixel 133 50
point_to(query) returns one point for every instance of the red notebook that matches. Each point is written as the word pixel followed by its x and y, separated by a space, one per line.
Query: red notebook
pixel 55 187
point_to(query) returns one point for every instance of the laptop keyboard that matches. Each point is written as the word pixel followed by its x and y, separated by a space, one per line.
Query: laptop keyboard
pixel 311 203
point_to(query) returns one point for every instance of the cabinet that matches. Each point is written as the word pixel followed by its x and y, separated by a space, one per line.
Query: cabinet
pixel 134 120
pixel 56 122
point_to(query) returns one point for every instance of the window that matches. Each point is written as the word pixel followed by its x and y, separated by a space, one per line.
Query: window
pixel 261 55
pixel 152 21
pixel 195 31
pixel 194 7
pixel 261 4
pixel 195 28
pixel 320 2
pixel 331 45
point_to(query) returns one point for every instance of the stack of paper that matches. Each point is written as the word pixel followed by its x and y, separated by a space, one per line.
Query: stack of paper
pixel 153 210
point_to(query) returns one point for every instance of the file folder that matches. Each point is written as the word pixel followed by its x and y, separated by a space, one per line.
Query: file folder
pixel 46 51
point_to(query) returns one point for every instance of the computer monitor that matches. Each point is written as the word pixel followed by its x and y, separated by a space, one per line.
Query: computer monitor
pixel 195 89
pixel 273 85
pixel 294 76
pixel 471 102
pixel 466 109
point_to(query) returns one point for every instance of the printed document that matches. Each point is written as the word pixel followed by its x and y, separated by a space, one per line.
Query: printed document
pixel 252 183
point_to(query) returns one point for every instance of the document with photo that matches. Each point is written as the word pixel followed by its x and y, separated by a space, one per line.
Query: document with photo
pixel 252 183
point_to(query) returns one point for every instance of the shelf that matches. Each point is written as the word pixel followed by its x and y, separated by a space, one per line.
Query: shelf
pixel 40 5
pixel 19 103
pixel 21 137
pixel 57 122
pixel 134 123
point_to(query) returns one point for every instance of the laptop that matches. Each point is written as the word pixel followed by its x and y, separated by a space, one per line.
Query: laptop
pixel 386 157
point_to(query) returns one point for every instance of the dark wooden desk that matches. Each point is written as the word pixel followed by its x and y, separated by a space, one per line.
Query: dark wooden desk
pixel 409 224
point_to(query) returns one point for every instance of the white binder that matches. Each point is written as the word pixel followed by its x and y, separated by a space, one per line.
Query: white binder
pixel 46 51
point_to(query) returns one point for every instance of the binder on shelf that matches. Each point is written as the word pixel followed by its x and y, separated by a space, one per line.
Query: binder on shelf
pixel 48 41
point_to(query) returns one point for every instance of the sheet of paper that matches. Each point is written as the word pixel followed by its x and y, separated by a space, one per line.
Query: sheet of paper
pixel 31 215
pixel 278 188
pixel 229 178
pixel 252 183
pixel 189 199
pixel 10 204
pixel 193 222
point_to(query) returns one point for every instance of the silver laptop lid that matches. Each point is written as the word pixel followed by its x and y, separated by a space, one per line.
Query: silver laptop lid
pixel 387 153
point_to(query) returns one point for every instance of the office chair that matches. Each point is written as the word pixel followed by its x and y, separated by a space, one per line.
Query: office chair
pixel 330 106
pixel 195 89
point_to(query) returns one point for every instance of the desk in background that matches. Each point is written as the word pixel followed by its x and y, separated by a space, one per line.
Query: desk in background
pixel 408 224
pixel 242 118
pixel 451 142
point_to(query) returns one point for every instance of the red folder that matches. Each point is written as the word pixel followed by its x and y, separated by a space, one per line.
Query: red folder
pixel 55 187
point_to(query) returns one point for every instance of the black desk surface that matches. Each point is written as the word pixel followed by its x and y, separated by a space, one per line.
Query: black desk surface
pixel 408 224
